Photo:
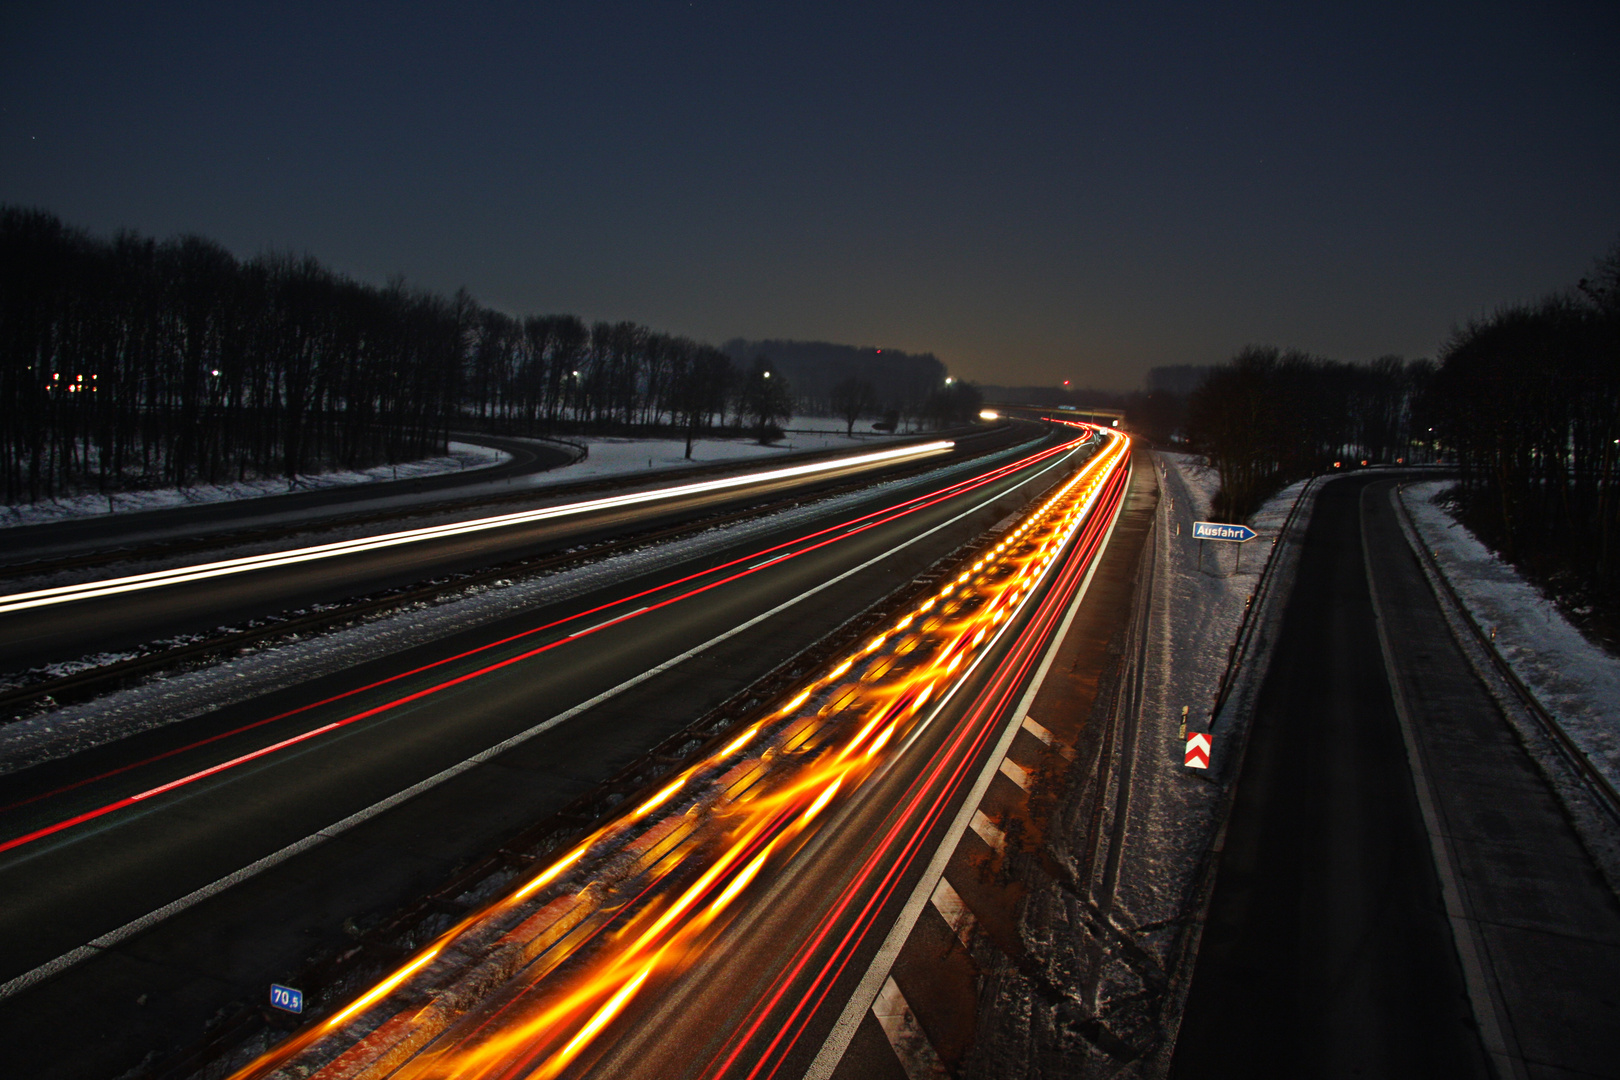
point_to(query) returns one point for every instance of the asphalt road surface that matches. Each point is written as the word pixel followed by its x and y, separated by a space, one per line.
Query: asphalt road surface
pixel 1327 952
pixel 158 986
pixel 67 631
pixel 528 462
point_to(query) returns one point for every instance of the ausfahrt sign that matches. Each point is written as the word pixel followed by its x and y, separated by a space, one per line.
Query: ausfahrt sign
pixel 1214 530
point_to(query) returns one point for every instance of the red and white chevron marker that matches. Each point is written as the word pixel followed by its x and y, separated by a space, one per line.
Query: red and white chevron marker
pixel 1197 750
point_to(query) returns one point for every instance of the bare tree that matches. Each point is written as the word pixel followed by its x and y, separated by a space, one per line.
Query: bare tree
pixel 852 399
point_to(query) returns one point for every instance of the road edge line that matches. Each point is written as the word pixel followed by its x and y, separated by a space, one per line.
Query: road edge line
pixel 843 1031
pixel 1487 1007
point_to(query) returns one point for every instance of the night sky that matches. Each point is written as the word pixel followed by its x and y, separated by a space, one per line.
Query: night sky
pixel 1031 191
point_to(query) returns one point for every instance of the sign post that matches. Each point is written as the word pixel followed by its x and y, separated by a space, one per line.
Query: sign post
pixel 1214 530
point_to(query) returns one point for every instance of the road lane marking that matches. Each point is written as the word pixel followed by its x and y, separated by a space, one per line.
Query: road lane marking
pixel 203 571
pixel 113 937
pixel 988 830
pixel 954 910
pixel 610 622
pixel 1016 773
pixel 1489 1011
pixel 917 1055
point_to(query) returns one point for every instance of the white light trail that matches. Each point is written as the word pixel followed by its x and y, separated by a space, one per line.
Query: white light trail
pixel 200 572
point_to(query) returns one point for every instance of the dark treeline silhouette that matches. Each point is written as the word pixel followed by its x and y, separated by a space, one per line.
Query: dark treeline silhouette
pixel 897 381
pixel 1527 402
pixel 1158 412
pixel 1268 417
pixel 132 362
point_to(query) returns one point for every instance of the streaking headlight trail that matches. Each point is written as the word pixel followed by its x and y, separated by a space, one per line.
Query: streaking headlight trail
pixel 202 571
pixel 526 986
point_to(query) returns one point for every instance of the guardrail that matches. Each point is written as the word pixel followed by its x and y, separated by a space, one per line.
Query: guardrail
pixel 1238 652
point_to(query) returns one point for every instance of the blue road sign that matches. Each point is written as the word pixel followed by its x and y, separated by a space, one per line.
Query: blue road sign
pixel 1214 530
pixel 286 998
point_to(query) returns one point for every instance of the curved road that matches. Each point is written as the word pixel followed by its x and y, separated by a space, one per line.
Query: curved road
pixel 65 631
pixel 572 691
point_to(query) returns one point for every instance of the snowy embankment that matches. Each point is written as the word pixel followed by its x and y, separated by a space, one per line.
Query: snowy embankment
pixel 460 456
pixel 1198 601
pixel 1573 679
pixel 606 457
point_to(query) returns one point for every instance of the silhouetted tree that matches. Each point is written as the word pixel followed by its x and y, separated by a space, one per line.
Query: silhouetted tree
pixel 852 399
pixel 765 398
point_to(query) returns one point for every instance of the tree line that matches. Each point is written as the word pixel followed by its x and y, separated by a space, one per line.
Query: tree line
pixel 130 362
pixel 1269 416
pixel 1525 403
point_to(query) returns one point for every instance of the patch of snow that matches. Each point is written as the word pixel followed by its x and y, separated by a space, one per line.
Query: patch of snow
pixel 460 456
pixel 1576 681
pixel 618 456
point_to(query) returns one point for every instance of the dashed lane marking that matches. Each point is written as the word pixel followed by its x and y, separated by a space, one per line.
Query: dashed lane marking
pixel 606 622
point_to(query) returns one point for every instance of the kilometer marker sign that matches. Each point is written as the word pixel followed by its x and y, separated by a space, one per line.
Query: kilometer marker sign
pixel 1197 750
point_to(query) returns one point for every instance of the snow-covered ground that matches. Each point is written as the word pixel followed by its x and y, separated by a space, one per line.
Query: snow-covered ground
pixel 607 457
pixel 69 729
pixel 614 457
pixel 1575 680
pixel 461 456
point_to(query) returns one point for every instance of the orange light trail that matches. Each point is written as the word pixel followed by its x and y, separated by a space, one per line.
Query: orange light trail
pixel 638 900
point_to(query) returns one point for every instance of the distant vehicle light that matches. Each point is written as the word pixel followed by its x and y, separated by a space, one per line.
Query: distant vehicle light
pixel 989 414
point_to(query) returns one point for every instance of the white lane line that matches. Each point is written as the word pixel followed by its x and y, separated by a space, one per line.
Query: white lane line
pixel 917 1055
pixel 202 571
pixel 152 918
pixel 777 558
pixel 1016 773
pixel 1489 1012
pixel 838 1040
pixel 954 910
pixel 607 622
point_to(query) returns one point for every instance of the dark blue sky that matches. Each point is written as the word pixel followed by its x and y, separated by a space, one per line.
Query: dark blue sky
pixel 1032 191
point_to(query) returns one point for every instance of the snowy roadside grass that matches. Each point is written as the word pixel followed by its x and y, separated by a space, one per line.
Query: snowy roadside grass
pixel 67 730
pixel 460 456
pixel 617 456
pixel 1575 680
pixel 1195 616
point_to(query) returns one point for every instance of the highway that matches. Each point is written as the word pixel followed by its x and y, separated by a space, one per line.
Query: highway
pixel 822 811
pixel 530 463
pixel 47 622
pixel 565 695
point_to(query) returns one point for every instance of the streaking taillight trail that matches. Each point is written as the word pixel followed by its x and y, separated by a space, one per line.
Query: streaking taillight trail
pixel 528 985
